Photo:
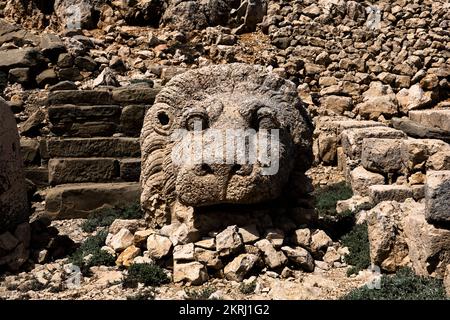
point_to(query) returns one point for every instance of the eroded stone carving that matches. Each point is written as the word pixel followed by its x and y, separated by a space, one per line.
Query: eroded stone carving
pixel 13 195
pixel 223 98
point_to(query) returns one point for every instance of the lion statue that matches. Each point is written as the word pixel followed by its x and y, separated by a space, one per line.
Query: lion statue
pixel 210 111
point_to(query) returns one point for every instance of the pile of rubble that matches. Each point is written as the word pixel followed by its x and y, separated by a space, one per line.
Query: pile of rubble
pixel 234 253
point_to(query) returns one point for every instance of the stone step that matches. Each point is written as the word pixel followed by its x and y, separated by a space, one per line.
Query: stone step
pixel 80 170
pixel 73 113
pixel 96 121
pixel 432 118
pixel 122 96
pixel 119 147
pixel 73 201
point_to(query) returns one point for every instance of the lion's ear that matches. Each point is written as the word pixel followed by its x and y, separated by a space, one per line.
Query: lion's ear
pixel 162 118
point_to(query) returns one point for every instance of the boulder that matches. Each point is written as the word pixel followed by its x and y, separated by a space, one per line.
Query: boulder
pixel 158 246
pixel 378 100
pixel 320 241
pixel 388 248
pixel 300 257
pixel 414 98
pixel 237 269
pixel 272 257
pixel 184 252
pixel 381 155
pixel 249 233
pixel 429 246
pixel 302 237
pixel 193 273
pixel 437 197
pixel 121 240
pixel 229 241
pixel 361 179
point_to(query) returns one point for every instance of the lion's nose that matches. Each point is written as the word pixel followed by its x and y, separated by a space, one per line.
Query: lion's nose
pixel 223 170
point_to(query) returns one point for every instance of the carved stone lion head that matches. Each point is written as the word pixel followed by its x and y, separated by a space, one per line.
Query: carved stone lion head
pixel 224 107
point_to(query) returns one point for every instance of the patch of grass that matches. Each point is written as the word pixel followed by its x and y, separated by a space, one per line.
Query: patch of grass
pixel 200 294
pixel 145 294
pixel 357 241
pixel 327 197
pixel 404 285
pixel 92 247
pixel 333 223
pixel 107 217
pixel 147 273
pixel 247 288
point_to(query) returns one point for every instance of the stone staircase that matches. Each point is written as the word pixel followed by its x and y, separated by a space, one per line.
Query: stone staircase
pixel 94 155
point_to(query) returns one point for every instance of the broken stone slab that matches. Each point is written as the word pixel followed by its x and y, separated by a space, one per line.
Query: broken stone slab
pixel 302 237
pixel 77 170
pixel 420 153
pixel 352 139
pixel 437 197
pixel 82 97
pixel 19 58
pixel 208 243
pixel 13 192
pixel 272 257
pixel 184 252
pixel 361 179
pixel 141 236
pixel 388 248
pixel 249 233
pixel 238 269
pixel 209 258
pixel 275 236
pixel 414 98
pixel 158 246
pixel 93 147
pixel 129 224
pixel 121 240
pixel 229 241
pixel 432 118
pixel 299 257
pixel 354 204
pixel 73 201
pixel 320 241
pixel 380 193
pixel 417 130
pixel 429 246
pixel 381 155
pixel 193 273
pixel 126 258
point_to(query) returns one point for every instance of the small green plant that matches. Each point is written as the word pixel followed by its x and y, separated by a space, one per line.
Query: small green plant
pixel 144 294
pixel 327 198
pixel 147 273
pixel 357 241
pixel 92 247
pixel 107 217
pixel 247 288
pixel 200 294
pixel 404 285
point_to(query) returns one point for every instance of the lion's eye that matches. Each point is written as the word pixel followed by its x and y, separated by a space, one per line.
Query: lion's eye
pixel 197 122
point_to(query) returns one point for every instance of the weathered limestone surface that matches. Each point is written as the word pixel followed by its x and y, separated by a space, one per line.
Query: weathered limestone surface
pixel 14 207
